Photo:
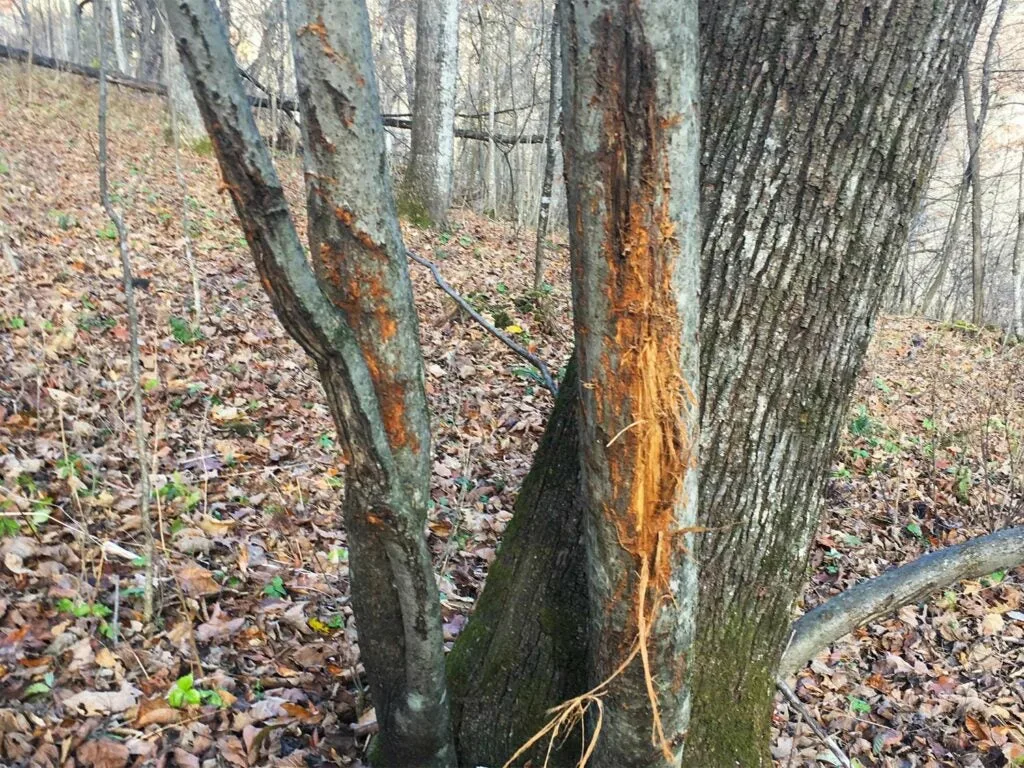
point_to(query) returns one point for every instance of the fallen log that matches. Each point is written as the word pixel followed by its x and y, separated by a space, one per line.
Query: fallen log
pixel 263 102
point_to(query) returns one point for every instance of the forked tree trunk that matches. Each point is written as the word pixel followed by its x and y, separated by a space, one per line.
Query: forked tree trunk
pixel 427 187
pixel 820 123
pixel 353 314
pixel 536 641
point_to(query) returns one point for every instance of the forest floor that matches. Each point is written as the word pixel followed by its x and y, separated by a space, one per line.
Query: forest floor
pixel 253 569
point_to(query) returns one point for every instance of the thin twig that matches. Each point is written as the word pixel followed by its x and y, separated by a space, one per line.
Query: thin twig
pixel 133 330
pixel 503 337
pixel 814 724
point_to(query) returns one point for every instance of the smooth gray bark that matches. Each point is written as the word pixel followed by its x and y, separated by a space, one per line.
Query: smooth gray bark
pixel 189 121
pixel 883 595
pixel 115 18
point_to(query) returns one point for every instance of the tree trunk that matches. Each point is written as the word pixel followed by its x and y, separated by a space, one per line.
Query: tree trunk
pixel 519 656
pixel 427 187
pixel 190 122
pixel 1017 321
pixel 74 33
pixel 550 155
pixel 928 301
pixel 119 54
pixel 974 166
pixel 631 165
pixel 353 314
pixel 820 123
pixel 150 65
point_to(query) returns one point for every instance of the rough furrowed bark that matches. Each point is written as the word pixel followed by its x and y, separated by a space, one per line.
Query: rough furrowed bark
pixel 631 155
pixel 520 652
pixel 821 124
pixel 355 318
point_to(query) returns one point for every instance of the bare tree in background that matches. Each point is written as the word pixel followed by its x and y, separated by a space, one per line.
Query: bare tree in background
pixel 427 186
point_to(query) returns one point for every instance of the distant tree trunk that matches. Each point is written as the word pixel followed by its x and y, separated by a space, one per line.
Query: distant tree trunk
pixel 190 122
pixel 151 41
pixel 1017 322
pixel 119 54
pixel 427 186
pixel 802 227
pixel 491 73
pixel 974 164
pixel 929 301
pixel 550 156
pixel 73 33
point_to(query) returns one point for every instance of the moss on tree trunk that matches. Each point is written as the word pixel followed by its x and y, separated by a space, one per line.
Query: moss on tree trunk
pixel 522 649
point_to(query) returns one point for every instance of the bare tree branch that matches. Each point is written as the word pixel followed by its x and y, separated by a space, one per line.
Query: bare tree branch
pixel 503 337
pixel 880 596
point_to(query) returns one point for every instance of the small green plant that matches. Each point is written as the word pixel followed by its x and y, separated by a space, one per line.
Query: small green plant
pixel 326 442
pixel 40 686
pixel 177 488
pixel 859 706
pixel 108 232
pixel 65 221
pixel 80 609
pixel 993 578
pixel 15 323
pixel 183 331
pixel 9 526
pixel 914 529
pixel 275 588
pixel 862 424
pixel 184 694
pixel 337 556
pixel 963 483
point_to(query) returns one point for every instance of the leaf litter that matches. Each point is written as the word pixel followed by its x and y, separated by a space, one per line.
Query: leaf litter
pixel 253 576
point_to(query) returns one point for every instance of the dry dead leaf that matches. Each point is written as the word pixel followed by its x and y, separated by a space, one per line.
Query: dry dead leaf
pixel 196 581
pixel 103 702
pixel 103 753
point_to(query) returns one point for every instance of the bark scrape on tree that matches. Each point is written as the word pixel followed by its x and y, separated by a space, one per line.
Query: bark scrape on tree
pixel 631 163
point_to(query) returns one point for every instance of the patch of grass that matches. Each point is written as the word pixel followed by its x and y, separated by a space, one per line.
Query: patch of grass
pixel 202 147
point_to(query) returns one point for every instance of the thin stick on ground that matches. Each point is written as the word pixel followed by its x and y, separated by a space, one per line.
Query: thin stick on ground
pixel 814 724
pixel 133 330
pixel 503 337
pixel 185 224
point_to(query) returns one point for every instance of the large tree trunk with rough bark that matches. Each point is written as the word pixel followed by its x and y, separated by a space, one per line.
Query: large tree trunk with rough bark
pixel 820 125
pixel 427 186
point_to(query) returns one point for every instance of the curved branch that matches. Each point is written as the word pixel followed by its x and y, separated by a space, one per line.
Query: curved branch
pixel 503 337
pixel 880 596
